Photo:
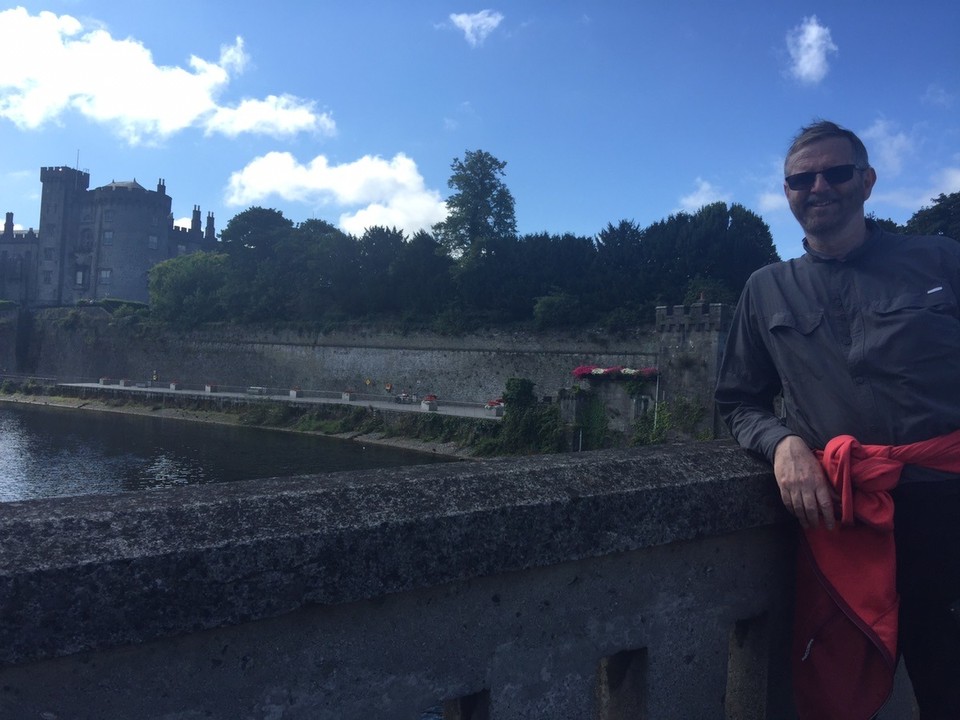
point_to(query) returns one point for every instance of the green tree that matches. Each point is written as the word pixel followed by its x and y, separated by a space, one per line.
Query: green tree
pixel 253 290
pixel 331 270
pixel 941 218
pixel 482 208
pixel 379 251
pixel 255 232
pixel 887 224
pixel 422 273
pixel 718 243
pixel 187 290
pixel 620 277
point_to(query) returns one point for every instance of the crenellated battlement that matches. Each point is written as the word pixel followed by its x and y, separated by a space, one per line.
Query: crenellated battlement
pixel 60 174
pixel 698 316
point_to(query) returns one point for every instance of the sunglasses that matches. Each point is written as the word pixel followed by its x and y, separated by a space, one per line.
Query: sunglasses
pixel 835 175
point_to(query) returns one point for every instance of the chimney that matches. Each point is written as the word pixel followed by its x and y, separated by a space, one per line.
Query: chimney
pixel 210 234
pixel 195 222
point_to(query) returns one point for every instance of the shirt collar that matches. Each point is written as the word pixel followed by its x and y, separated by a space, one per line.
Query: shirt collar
pixel 873 232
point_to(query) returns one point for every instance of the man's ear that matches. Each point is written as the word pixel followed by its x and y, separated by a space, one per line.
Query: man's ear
pixel 869 180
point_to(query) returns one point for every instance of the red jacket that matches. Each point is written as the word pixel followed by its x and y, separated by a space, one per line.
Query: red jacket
pixel 845 631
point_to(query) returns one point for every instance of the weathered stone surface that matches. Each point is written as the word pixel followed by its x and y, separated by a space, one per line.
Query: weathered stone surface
pixel 88 572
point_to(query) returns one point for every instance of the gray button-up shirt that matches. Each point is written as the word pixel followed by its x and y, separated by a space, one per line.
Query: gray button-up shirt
pixel 867 346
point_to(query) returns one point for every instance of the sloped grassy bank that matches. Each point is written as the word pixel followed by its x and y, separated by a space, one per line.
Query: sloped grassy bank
pixel 530 430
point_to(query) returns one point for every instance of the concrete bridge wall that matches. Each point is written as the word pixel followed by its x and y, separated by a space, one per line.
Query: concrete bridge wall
pixel 651 583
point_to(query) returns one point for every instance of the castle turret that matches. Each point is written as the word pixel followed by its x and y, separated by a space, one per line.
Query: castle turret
pixel 8 226
pixel 210 235
pixel 195 222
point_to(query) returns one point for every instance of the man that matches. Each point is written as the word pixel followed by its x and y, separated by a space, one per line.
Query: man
pixel 861 337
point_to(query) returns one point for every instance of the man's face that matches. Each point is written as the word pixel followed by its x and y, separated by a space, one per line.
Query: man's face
pixel 825 209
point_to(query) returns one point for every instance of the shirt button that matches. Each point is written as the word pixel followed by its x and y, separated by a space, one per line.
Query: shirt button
pixel 859 380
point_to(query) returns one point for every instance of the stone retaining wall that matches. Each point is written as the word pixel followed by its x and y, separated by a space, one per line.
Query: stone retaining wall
pixel 83 344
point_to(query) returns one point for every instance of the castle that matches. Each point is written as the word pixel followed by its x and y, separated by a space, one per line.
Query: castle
pixel 93 244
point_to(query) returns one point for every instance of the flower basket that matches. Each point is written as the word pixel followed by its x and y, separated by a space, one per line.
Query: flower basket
pixel 174 385
pixel 429 405
pixel 124 382
pixel 347 395
pixel 296 393
pixel 210 388
pixel 594 372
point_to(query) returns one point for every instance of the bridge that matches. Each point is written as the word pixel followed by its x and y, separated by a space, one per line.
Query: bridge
pixel 647 583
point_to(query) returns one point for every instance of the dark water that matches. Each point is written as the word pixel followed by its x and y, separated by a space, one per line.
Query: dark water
pixel 46 452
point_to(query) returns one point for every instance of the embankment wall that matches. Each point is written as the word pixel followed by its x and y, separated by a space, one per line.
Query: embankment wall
pixel 86 343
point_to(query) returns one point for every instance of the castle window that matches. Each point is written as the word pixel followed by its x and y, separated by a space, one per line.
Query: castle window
pixel 108 237
pixel 48 254
pixel 47 277
pixel 181 249
pixel 105 276
pixel 80 277
pixel 152 242
pixel 108 215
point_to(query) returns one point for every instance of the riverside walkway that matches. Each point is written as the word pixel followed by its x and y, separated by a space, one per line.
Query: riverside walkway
pixel 253 394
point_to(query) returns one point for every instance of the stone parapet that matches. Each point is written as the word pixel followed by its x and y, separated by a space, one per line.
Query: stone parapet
pixel 622 584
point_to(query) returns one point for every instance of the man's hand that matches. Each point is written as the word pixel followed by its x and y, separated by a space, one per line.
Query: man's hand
pixel 803 486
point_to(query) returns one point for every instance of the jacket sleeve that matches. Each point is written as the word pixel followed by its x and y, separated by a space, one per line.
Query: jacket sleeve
pixel 749 382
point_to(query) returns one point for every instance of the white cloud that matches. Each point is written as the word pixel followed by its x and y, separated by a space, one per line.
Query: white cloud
pixel 937 95
pixel 283 115
pixel 809 45
pixel 478 26
pixel 888 148
pixel 705 194
pixel 384 192
pixel 117 83
pixel 772 202
pixel 945 181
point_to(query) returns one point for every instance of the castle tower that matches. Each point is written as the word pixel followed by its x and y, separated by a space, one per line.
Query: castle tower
pixel 62 194
pixel 94 243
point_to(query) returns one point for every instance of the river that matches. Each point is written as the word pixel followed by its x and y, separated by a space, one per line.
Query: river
pixel 48 452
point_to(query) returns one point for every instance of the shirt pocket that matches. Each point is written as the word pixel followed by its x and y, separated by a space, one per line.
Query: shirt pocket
pixel 916 327
pixel 796 351
pixel 940 300
pixel 785 322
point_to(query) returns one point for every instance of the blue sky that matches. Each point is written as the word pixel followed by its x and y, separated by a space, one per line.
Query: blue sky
pixel 352 112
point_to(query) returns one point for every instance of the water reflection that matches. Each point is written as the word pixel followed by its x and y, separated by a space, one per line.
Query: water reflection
pixel 46 452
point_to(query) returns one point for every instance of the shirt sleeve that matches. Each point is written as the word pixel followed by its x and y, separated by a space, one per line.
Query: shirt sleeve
pixel 748 382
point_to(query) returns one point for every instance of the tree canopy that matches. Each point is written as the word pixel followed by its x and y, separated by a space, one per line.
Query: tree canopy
pixel 940 218
pixel 481 211
pixel 471 269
